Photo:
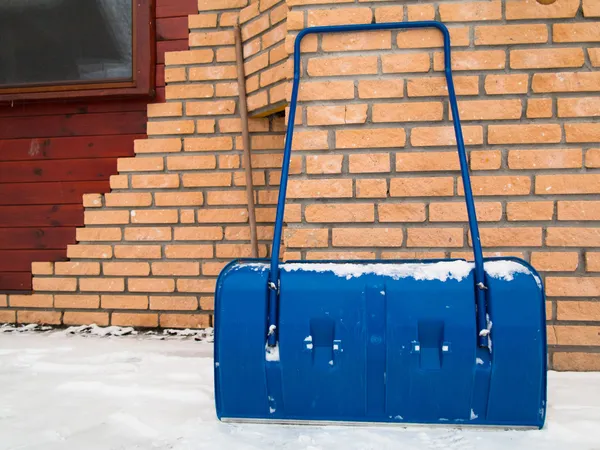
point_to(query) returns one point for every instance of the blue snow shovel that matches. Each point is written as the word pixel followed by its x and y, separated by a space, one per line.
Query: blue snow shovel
pixel 432 342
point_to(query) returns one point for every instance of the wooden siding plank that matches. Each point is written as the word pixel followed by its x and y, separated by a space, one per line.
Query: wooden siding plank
pixel 160 75
pixel 80 107
pixel 68 147
pixel 74 125
pixel 171 28
pixel 171 8
pixel 66 170
pixel 57 193
pixel 56 238
pixel 41 216
pixel 15 281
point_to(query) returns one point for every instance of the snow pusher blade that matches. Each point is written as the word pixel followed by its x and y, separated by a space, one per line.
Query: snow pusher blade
pixel 445 342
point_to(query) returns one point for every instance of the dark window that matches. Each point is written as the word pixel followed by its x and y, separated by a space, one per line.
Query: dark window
pixel 62 45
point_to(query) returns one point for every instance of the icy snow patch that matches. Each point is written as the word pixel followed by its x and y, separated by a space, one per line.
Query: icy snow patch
pixel 272 353
pixel 479 361
pixel 488 330
pixel 186 332
pixel 95 330
pixel 257 267
pixel 473 415
pixel 23 328
pixel 442 271
pixel 505 270
pixel 309 344
pixel 203 334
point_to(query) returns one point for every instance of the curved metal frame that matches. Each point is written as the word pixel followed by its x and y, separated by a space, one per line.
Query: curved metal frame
pixel 464 168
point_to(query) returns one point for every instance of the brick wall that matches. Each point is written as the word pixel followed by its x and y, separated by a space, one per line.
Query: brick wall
pixel 265 55
pixel 374 172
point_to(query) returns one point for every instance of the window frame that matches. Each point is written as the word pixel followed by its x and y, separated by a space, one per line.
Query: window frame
pixel 142 84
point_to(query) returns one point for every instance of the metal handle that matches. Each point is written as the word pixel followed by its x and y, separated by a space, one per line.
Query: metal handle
pixel 464 168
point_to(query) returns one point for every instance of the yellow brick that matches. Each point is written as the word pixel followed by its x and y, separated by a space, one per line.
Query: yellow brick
pixel 471 11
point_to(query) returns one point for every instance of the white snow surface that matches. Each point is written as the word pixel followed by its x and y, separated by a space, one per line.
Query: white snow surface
pixel 272 353
pixel 504 270
pixel 74 392
pixel 488 330
pixel 204 334
pixel 94 329
pixel 442 271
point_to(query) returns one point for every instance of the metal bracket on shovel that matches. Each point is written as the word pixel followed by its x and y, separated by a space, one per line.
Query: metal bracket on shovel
pixel 480 287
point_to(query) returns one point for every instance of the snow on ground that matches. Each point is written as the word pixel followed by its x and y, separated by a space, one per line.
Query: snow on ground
pixel 87 392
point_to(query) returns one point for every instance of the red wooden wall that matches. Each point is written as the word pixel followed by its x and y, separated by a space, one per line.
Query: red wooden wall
pixel 52 153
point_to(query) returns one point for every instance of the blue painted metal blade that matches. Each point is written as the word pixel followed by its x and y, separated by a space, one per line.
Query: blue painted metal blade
pixel 379 348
